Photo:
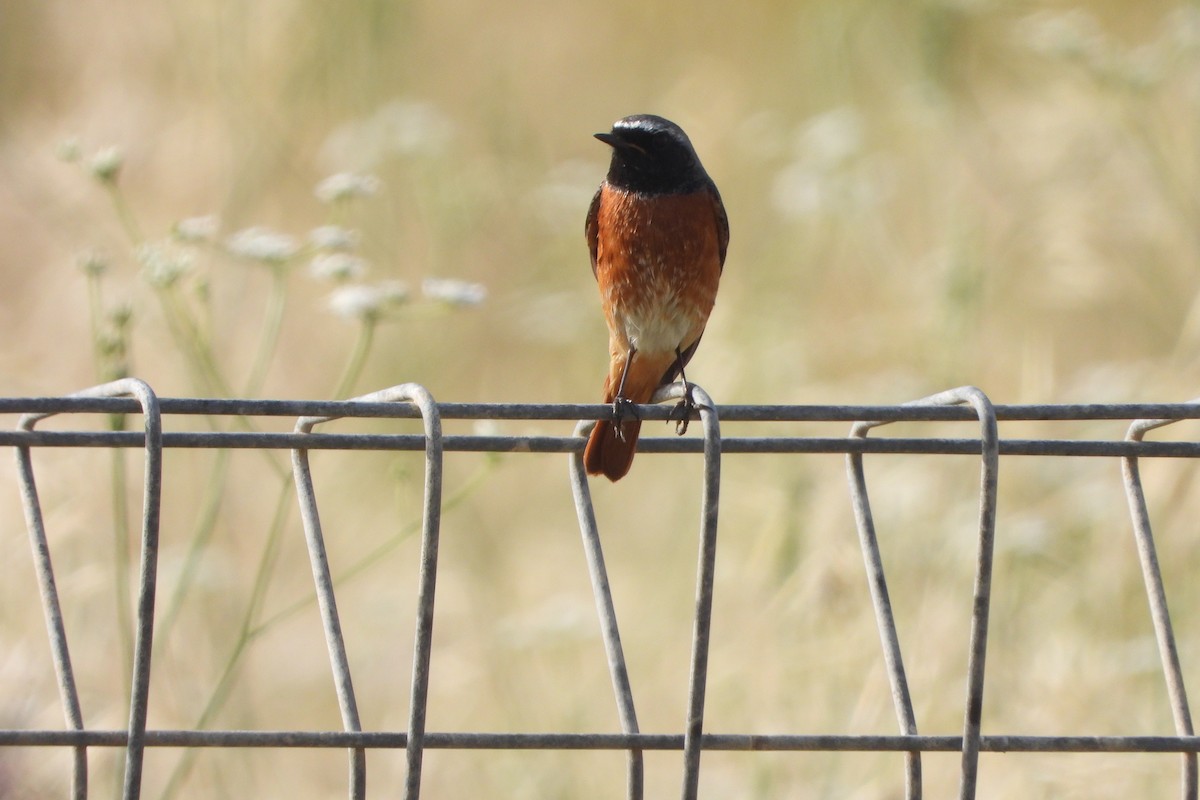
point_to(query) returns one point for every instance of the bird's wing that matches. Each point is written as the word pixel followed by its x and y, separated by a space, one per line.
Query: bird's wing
pixel 591 228
pixel 722 222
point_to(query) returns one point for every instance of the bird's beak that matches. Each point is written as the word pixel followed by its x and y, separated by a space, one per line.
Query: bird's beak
pixel 614 141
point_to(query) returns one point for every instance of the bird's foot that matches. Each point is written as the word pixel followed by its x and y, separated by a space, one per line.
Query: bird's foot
pixel 623 409
pixel 682 412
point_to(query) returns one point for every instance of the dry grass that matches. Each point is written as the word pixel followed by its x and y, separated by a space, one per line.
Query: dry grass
pixel 922 195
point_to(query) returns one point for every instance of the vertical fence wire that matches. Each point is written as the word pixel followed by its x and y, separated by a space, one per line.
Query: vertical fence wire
pixel 705 575
pixel 335 641
pixel 143 646
pixel 884 619
pixel 977 658
pixel 139 702
pixel 327 603
pixel 430 531
pixel 52 609
pixel 1156 593
pixel 598 574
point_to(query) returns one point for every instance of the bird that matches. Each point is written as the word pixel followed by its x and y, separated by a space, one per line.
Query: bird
pixel 657 233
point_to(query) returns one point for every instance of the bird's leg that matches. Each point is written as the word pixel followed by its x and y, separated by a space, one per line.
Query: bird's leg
pixel 623 407
pixel 686 405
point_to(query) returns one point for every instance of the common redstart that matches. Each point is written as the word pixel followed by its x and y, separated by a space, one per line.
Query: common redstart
pixel 657 232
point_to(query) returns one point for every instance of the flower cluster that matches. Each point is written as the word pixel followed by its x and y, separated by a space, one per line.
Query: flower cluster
pixel 163 263
pixel 263 245
pixel 454 292
pixel 331 252
pixel 197 229
pixel 344 186
pixel 368 302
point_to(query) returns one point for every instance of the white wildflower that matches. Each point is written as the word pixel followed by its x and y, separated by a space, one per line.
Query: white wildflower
pixel 334 237
pixel 346 185
pixel 453 291
pixel 105 164
pixel 337 266
pixel 357 301
pixel 163 264
pixel 262 244
pixel 197 229
pixel 367 302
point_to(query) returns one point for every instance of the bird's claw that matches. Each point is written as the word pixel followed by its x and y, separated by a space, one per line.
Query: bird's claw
pixel 682 412
pixel 623 409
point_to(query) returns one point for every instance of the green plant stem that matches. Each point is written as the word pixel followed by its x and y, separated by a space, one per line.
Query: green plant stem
pixel 191 341
pixel 268 340
pixel 206 373
pixel 125 213
pixel 214 486
pixel 122 591
pixel 96 313
pixel 247 631
pixel 206 525
pixel 373 557
pixel 357 360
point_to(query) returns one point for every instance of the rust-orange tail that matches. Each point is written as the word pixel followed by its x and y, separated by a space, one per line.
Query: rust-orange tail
pixel 608 453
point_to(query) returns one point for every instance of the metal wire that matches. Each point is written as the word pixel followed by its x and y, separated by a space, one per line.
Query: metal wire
pixel 705 574
pixel 598 573
pixel 139 704
pixel 885 621
pixel 1157 595
pixel 60 652
pixel 431 523
pixel 412 401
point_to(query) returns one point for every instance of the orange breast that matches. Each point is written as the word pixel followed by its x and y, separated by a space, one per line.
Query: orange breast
pixel 658 265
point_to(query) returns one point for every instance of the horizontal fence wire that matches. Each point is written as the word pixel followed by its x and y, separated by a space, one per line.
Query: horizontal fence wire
pixel 411 401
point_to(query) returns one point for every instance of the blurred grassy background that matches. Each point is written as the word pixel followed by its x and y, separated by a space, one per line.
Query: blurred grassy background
pixel 921 194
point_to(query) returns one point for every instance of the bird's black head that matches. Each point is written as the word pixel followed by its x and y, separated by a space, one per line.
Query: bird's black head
pixel 652 155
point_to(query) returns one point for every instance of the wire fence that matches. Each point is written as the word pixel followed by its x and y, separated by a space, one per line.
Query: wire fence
pixel 412 401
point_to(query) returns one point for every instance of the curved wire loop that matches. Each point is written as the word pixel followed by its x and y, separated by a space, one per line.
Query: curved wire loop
pixel 323 580
pixel 139 695
pixel 976 661
pixel 705 574
pixel 1156 593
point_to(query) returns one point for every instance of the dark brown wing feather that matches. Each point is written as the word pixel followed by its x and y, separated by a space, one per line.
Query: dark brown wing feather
pixel 676 369
pixel 591 228
pixel 722 222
